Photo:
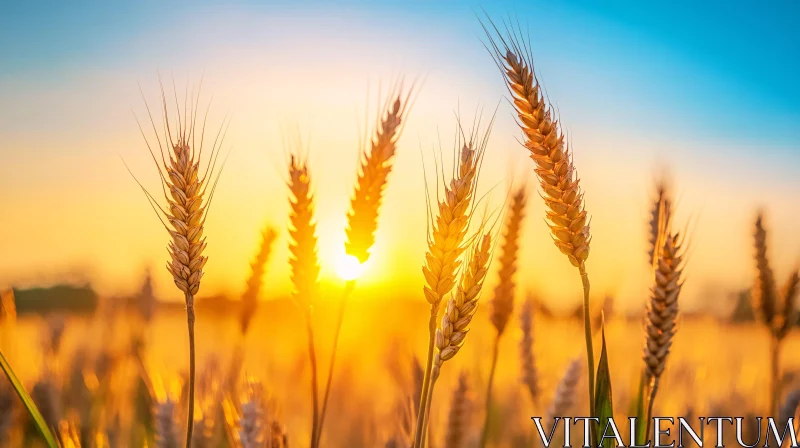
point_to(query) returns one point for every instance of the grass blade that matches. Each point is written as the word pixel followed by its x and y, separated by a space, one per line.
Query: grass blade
pixel 603 406
pixel 28 402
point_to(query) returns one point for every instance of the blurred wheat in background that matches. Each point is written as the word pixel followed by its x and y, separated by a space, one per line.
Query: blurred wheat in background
pixel 267 369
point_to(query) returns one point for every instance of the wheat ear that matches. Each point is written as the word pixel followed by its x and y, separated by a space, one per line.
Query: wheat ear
pixel 443 258
pixel 566 216
pixel 376 164
pixel 655 218
pixel 304 265
pixel 775 310
pixel 502 304
pixel 362 218
pixel 564 396
pixel 458 315
pixel 257 268
pixel 662 308
pixel 458 418
pixel 462 305
pixel 188 194
pixel 166 435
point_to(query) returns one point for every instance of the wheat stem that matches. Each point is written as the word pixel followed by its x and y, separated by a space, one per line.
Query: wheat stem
pixel 419 436
pixel 190 324
pixel 312 356
pixel 774 369
pixel 348 289
pixel 485 432
pixel 587 329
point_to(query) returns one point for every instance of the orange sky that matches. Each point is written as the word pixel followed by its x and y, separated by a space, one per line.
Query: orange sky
pixel 71 211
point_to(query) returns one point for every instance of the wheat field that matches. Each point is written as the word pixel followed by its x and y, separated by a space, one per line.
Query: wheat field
pixel 464 357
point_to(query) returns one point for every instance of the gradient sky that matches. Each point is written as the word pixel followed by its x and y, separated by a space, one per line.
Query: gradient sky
pixel 707 90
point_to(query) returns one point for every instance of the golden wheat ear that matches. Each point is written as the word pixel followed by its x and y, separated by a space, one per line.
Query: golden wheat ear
pixel 304 265
pixel 253 288
pixel 373 172
pixel 188 190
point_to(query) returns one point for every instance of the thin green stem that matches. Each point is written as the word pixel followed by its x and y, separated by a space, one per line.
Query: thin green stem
pixel 419 435
pixel 190 324
pixel 485 432
pixel 348 288
pixel 312 356
pixel 587 327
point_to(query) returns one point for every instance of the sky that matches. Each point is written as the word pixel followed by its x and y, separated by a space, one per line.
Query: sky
pixel 706 92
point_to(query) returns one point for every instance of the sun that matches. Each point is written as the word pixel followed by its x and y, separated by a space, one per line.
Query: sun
pixel 348 267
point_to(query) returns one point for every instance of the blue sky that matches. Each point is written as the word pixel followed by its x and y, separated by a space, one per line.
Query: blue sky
pixel 734 64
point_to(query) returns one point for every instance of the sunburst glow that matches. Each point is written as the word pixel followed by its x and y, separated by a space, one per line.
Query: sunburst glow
pixel 348 267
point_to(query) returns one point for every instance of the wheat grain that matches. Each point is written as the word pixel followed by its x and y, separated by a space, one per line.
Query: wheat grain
pixel 362 219
pixel 458 419
pixel 253 288
pixel 530 376
pixel 502 304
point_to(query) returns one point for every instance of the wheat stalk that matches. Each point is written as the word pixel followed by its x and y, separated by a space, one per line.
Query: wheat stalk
pixel 502 304
pixel 458 314
pixel 458 418
pixel 530 376
pixel 662 308
pixel 775 310
pixel 304 265
pixel 443 258
pixel 362 218
pixel 188 194
pixel 566 216
pixel 253 288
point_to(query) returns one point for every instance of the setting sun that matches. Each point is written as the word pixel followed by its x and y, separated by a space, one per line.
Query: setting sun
pixel 348 267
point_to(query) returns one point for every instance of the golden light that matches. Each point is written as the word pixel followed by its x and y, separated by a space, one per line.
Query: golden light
pixel 348 267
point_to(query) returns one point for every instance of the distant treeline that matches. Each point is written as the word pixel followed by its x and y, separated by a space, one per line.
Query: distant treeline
pixel 74 299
